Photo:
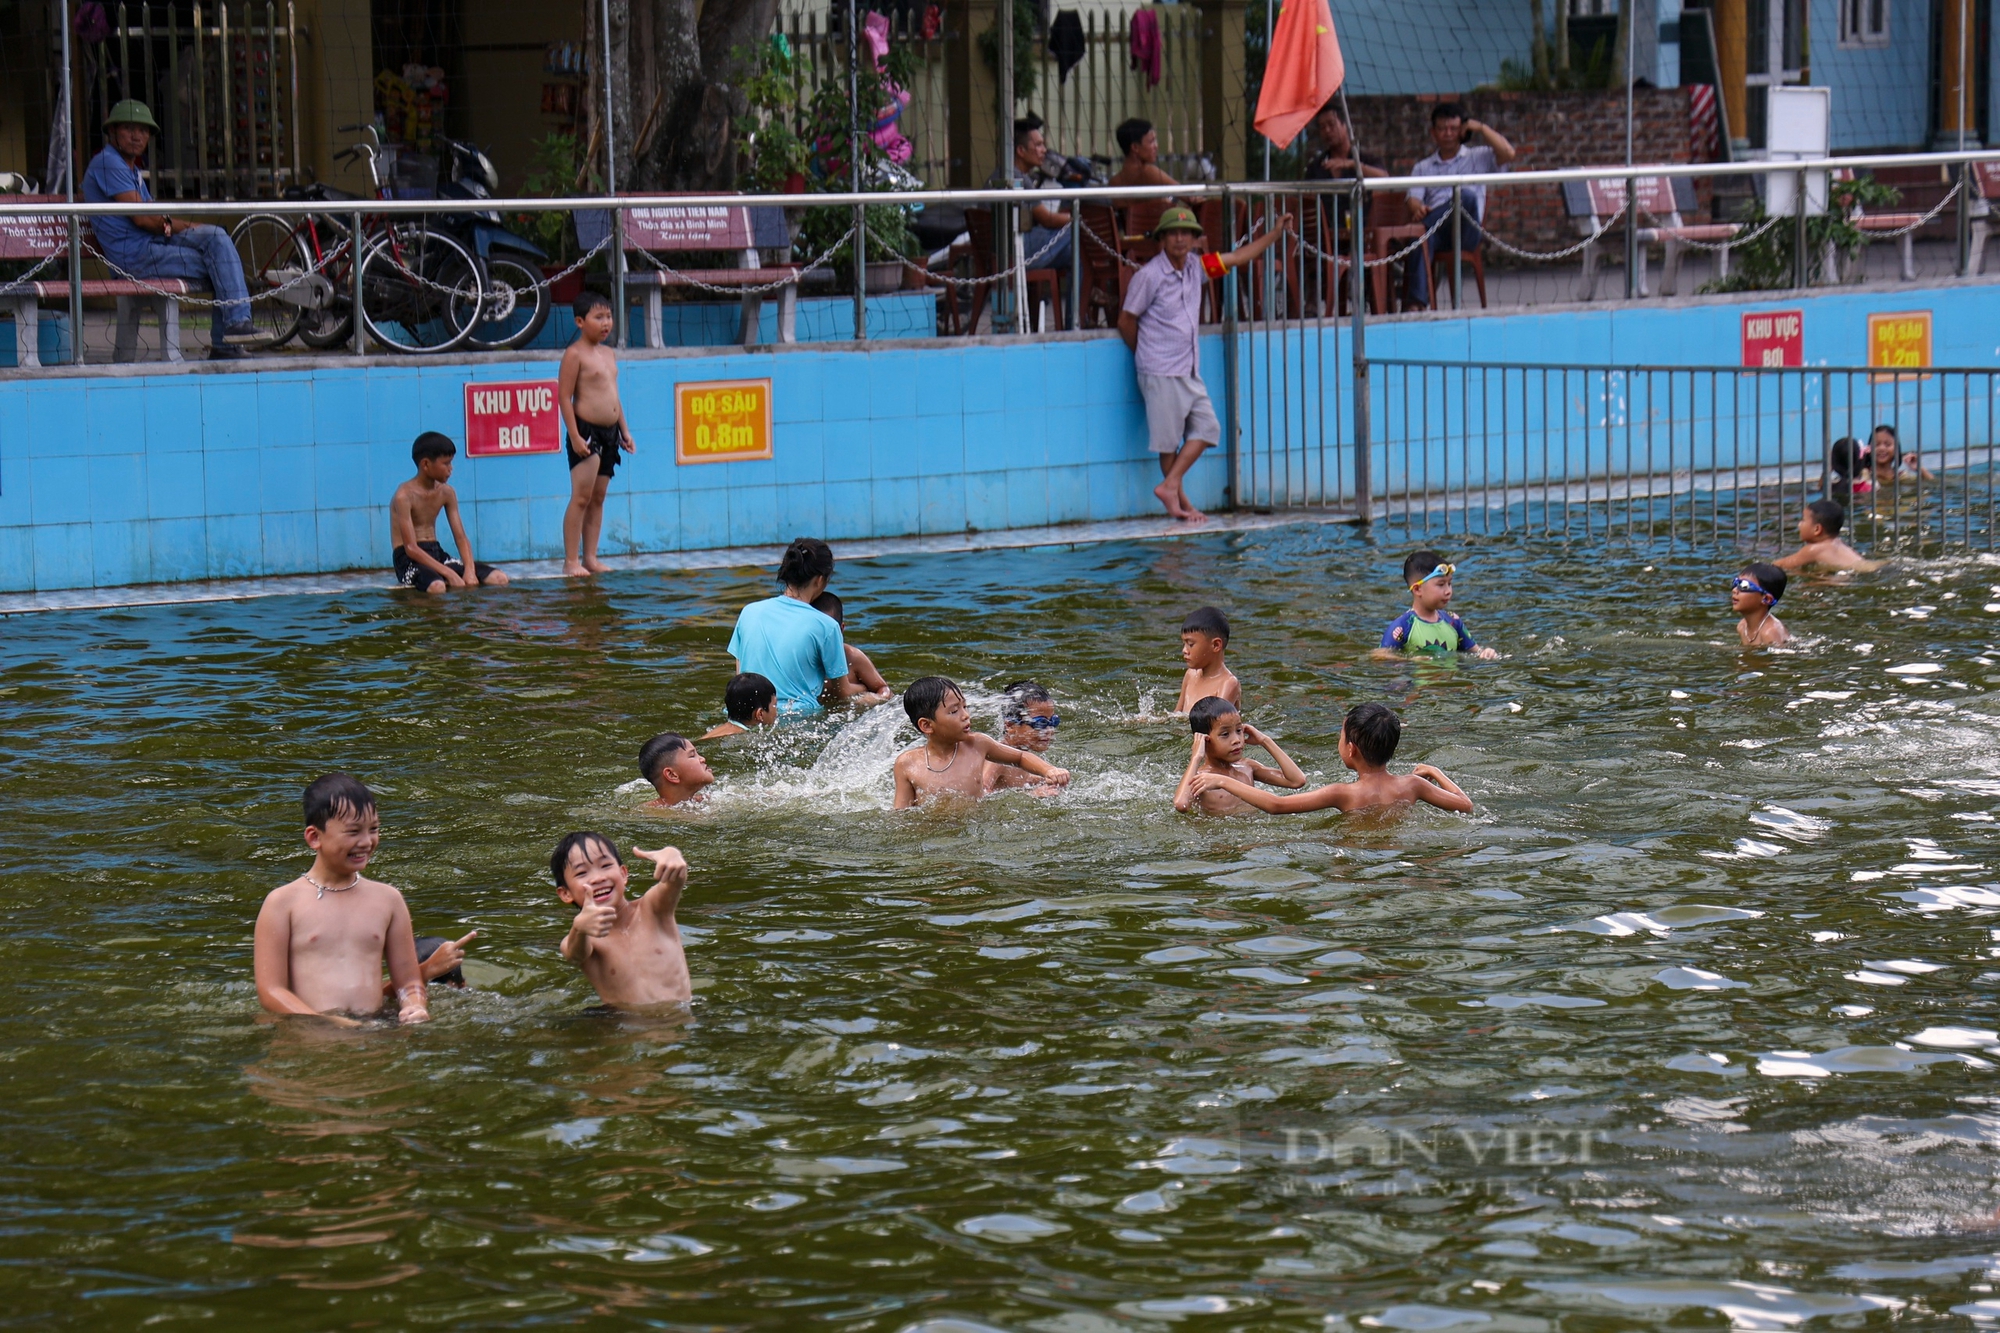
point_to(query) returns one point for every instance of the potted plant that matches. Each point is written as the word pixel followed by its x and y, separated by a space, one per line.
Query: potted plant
pixel 557 169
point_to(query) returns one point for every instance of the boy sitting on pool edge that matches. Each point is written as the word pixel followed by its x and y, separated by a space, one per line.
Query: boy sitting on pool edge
pixel 1368 739
pixel 1220 735
pixel 1427 627
pixel 418 559
pixel 936 707
pixel 631 951
pixel 321 940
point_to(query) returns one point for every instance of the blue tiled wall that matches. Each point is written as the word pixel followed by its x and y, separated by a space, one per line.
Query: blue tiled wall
pixel 109 480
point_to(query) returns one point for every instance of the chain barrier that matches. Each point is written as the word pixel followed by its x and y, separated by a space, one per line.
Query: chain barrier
pixel 1100 243
pixel 1550 256
pixel 1741 237
pixel 15 286
pixel 761 288
pixel 1950 195
pixel 1023 263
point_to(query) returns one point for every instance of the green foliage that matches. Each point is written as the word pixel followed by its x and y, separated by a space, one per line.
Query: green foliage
pixel 1767 263
pixel 1025 46
pixel 556 168
pixel 784 137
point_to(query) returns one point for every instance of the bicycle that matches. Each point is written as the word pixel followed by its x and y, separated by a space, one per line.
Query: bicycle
pixel 421 291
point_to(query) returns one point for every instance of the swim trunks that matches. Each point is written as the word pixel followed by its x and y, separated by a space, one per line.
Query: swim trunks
pixel 413 575
pixel 1410 633
pixel 603 441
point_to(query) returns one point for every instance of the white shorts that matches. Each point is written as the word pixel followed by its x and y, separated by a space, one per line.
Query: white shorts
pixel 1177 410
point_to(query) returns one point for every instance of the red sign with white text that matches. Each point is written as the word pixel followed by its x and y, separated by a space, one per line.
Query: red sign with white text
pixel 1774 338
pixel 512 418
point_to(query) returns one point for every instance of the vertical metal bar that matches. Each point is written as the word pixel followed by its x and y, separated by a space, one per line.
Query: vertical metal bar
pixel 854 148
pixel 1506 501
pixel 1545 441
pixel 201 108
pixel 1966 186
pixel 177 126
pixel 225 83
pixel 1989 462
pixel 1564 403
pixel 1457 244
pixel 292 70
pixel 1364 445
pixel 1231 420
pixel 620 303
pixel 69 194
pixel 1074 315
pixel 1801 271
pixel 1631 233
pixel 355 247
pixel 1486 451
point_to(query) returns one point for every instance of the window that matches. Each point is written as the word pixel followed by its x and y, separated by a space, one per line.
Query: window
pixel 1864 22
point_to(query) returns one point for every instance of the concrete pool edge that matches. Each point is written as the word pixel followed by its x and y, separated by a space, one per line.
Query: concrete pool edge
pixel 726 557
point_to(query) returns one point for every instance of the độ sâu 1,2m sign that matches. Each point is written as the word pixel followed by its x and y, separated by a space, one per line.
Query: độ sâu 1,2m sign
pixel 511 417
pixel 722 421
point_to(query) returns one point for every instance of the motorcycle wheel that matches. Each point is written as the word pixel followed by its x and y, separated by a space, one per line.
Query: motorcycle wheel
pixel 515 309
pixel 272 258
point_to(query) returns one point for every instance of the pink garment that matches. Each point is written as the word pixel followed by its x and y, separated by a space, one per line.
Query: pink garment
pixel 887 137
pixel 1146 45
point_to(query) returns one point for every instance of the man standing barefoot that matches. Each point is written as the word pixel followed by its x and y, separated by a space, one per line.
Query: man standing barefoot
pixel 1160 323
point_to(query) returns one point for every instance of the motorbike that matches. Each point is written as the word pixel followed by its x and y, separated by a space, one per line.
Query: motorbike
pixel 516 304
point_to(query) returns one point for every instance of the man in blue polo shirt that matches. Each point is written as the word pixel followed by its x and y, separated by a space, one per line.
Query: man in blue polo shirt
pixel 798 649
pixel 156 246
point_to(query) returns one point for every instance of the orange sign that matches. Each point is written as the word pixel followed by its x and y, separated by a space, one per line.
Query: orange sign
pixel 722 421
pixel 1899 342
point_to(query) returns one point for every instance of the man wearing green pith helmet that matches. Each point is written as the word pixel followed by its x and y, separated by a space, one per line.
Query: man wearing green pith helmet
pixel 1159 322
pixel 157 246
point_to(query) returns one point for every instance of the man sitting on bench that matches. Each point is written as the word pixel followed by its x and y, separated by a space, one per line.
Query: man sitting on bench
pixel 164 247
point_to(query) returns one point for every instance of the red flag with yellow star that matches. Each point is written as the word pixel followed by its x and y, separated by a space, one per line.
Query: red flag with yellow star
pixel 1304 70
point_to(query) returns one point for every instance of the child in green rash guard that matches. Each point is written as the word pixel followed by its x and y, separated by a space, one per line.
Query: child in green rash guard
pixel 1427 627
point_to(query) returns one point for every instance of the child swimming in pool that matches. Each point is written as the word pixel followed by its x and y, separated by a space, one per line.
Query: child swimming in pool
pixel 630 949
pixel 1204 643
pixel 677 773
pixel 953 758
pixel 1427 627
pixel 858 666
pixel 1752 594
pixel 321 940
pixel 1028 722
pixel 1220 735
pixel 1368 739
pixel 1819 529
pixel 749 700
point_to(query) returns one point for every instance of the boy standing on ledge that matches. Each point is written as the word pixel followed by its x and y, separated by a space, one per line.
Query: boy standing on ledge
pixel 419 560
pixel 594 425
pixel 1160 321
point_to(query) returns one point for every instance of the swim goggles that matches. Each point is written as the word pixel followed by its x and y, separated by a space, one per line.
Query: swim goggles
pixel 1744 583
pixel 1441 572
pixel 1049 723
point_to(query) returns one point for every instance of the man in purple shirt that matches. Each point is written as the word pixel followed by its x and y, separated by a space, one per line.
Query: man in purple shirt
pixel 1159 323
pixel 157 246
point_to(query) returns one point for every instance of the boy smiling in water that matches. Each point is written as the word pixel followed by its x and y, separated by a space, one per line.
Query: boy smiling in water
pixel 321 940
pixel 953 758
pixel 1220 736
pixel 630 950
pixel 1427 627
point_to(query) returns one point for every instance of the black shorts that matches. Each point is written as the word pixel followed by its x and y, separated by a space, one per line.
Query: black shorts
pixel 413 575
pixel 603 441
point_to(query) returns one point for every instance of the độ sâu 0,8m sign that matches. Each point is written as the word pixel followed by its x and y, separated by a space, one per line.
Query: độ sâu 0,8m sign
pixel 722 421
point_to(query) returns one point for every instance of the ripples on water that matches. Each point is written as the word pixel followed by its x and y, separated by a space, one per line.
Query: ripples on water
pixel 1721 926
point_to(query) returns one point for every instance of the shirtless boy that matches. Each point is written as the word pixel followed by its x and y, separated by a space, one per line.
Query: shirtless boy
pixel 677 773
pixel 420 562
pixel 1220 735
pixel 859 669
pixel 953 758
pixel 630 949
pixel 594 424
pixel 1752 594
pixel 1368 740
pixel 1028 722
pixel 1819 530
pixel 1204 641
pixel 749 700
pixel 321 939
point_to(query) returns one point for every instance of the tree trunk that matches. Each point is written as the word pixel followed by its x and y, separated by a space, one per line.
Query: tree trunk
pixel 1621 41
pixel 1562 38
pixel 1540 47
pixel 685 122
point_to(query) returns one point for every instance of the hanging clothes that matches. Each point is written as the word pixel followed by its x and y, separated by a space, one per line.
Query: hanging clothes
pixel 1146 45
pixel 1066 43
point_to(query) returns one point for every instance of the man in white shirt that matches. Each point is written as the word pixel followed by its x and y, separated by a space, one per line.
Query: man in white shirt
pixel 1450 130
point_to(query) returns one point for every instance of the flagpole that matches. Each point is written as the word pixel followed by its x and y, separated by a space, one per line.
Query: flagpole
pixel 1270 38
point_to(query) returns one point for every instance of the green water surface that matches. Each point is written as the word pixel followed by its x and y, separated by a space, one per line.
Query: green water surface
pixel 1688 1025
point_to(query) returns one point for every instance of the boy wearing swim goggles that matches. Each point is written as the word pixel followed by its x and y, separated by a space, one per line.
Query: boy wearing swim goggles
pixel 1028 721
pixel 1427 627
pixel 1752 594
